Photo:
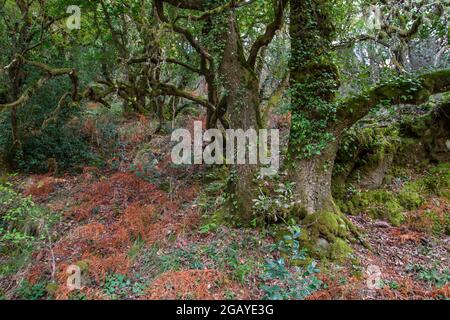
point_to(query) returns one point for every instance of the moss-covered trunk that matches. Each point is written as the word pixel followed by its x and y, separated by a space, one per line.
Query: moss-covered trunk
pixel 315 132
pixel 314 79
pixel 242 104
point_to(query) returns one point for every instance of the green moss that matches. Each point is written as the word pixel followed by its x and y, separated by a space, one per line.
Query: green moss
pixel 392 206
pixel 83 265
pixel 339 250
pixel 326 224
pixel 379 204
pixel 375 141
pixel 410 200
pixel 51 288
pixel 363 151
pixel 436 182
pixel 393 211
pixel 325 235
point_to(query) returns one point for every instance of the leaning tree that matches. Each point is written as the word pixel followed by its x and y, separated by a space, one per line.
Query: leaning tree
pixel 320 118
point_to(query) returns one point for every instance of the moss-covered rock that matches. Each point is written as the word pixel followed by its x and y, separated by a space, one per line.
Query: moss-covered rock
pixel 365 157
pixel 394 205
pixel 382 204
pixel 326 234
pixel 414 139
pixel 425 138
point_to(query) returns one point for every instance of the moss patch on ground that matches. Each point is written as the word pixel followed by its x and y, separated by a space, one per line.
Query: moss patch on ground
pixel 393 206
pixel 326 234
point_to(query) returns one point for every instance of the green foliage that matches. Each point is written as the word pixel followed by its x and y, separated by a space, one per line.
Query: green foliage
pixel 28 291
pixel 393 285
pixel 208 227
pixel 380 204
pixel 431 275
pixel 61 140
pixel 290 282
pixel 314 79
pixel 274 205
pixel 24 228
pixel 118 286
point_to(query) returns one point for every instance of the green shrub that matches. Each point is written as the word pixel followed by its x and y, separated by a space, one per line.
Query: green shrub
pixel 28 291
pixel 59 141
pixel 24 228
pixel 282 279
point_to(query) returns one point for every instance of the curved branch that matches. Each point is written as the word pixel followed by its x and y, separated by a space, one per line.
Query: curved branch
pixel 353 109
pixel 271 29
pixel 171 90
pixel 188 4
pixel 25 97
pixel 159 4
pixel 49 73
pixel 185 65
pixel 348 43
pixel 138 60
pixel 220 9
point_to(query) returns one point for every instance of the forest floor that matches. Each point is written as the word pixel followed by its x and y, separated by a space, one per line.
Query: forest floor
pixel 145 237
pixel 133 240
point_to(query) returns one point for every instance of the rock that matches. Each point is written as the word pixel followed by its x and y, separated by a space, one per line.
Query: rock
pixel 381 224
pixel 372 177
pixel 323 243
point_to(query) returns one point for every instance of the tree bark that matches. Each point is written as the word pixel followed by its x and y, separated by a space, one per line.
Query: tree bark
pixel 242 105
pixel 313 181
pixel 314 80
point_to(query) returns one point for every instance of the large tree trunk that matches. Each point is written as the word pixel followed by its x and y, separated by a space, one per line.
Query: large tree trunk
pixel 313 181
pixel 318 120
pixel 314 136
pixel 242 104
pixel 314 80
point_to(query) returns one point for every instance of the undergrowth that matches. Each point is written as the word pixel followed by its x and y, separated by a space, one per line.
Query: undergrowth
pixel 25 227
